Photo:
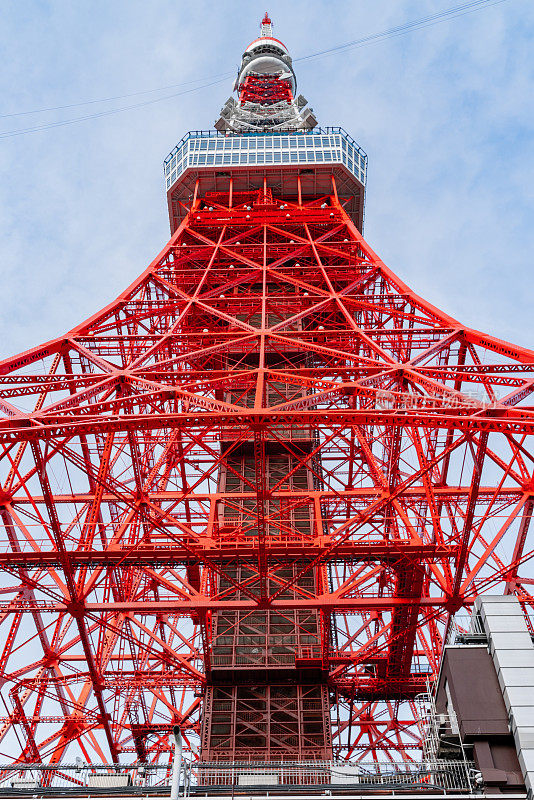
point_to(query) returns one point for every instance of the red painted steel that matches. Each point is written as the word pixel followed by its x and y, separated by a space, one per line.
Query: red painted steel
pixel 246 497
pixel 265 90
pixel 406 482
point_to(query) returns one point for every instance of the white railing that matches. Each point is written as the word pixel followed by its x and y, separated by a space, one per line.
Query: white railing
pixel 439 731
pixel 254 777
pixel 445 776
pixel 91 777
pixel 468 629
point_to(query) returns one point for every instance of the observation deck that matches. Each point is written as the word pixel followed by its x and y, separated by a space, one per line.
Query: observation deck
pixel 315 156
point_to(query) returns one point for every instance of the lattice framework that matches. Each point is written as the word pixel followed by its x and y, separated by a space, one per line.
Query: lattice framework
pixel 264 315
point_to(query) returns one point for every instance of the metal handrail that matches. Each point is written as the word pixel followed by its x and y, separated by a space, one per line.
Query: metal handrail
pixel 446 776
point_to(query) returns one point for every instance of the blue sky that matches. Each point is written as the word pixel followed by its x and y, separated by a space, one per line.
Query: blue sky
pixel 445 114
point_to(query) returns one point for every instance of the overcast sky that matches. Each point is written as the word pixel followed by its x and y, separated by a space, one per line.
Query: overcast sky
pixel 446 115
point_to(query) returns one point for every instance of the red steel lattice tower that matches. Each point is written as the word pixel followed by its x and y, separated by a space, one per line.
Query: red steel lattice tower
pixel 248 495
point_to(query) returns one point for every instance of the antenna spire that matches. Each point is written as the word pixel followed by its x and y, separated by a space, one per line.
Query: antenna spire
pixel 266 87
pixel 266 25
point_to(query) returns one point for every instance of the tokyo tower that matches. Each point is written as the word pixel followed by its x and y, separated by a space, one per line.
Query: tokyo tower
pixel 247 498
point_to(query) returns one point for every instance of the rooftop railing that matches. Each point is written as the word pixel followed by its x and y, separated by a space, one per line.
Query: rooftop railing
pixel 466 630
pixel 203 778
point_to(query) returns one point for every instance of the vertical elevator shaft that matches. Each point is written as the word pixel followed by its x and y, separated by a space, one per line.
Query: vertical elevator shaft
pixel 267 698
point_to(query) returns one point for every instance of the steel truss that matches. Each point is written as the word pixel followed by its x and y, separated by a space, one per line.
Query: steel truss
pixel 267 435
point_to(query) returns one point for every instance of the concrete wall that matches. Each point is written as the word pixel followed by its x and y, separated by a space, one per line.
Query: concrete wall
pixel 512 651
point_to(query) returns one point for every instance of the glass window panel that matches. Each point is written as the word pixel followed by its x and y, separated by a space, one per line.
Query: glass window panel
pixel 276 142
pixel 202 158
pixel 226 159
pixel 252 144
pixel 261 157
pixel 204 144
pixel 269 157
pixel 218 158
pixel 251 158
pixel 209 158
pixel 268 141
pixel 284 141
pixel 294 156
pixel 277 157
pixel 301 142
pixel 285 157
pixel 211 145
